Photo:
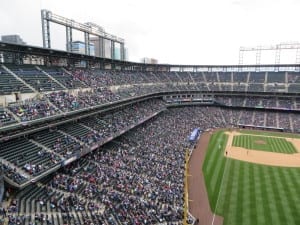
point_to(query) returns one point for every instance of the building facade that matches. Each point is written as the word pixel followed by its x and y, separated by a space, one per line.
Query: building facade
pixel 14 39
pixel 79 47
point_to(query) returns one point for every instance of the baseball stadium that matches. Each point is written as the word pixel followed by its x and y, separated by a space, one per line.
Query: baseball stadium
pixel 91 140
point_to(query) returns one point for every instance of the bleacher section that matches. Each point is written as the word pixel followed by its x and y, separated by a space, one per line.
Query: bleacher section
pixel 33 109
pixel 27 156
pixel 109 87
pixel 63 145
pixel 42 151
pixel 69 80
pixel 6 118
pixel 37 79
pixel 276 77
pixel 130 83
pixel 9 84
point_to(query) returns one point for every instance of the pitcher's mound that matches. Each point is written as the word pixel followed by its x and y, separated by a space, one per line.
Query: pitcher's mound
pixel 260 142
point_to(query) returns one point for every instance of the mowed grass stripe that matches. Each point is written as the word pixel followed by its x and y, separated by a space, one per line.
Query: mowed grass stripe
pixel 240 180
pixel 279 146
pixel 216 181
pixel 264 194
pixel 217 164
pixel 253 194
pixel 222 203
pixel 233 174
pixel 276 144
pixel 229 193
pixel 294 183
pixel 246 193
pixel 270 197
pixel 291 147
pixel 283 199
pixel 213 166
pixel 219 170
pixel 287 197
pixel 211 155
pixel 270 144
pixel 253 216
pixel 259 197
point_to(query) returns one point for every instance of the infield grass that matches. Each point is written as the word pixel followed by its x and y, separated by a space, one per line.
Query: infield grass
pixel 271 144
pixel 247 193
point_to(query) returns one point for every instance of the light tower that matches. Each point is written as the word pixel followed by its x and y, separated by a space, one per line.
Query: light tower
pixel 87 28
pixel 277 48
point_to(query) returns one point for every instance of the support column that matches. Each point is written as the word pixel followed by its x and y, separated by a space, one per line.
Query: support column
pixel 298 55
pixel 112 50
pixel 69 39
pixel 241 58
pixel 122 51
pixel 258 56
pixel 277 55
pixel 101 47
pixel 87 43
pixel 45 29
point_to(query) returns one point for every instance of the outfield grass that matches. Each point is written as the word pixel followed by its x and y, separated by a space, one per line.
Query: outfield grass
pixel 271 144
pixel 250 194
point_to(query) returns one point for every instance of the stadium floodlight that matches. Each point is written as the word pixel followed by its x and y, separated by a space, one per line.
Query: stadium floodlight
pixel 88 29
pixel 277 48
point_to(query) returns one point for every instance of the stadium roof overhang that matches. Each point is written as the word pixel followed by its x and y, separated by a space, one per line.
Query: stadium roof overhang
pixel 27 50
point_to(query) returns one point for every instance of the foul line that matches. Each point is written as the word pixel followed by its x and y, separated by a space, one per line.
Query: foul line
pixel 213 219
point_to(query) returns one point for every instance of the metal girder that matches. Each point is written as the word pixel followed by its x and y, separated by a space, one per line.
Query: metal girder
pixel 69 38
pixel 298 56
pixel 88 27
pixel 294 45
pixel 45 29
pixel 276 48
pixel 241 57
pixel 258 55
pixel 87 43
pixel 101 47
pixel 122 52
pixel 112 50
pixel 277 56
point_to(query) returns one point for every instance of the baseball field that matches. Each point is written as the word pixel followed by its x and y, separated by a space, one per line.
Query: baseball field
pixel 253 177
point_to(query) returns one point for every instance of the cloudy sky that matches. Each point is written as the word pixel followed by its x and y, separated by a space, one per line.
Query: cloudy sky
pixel 172 31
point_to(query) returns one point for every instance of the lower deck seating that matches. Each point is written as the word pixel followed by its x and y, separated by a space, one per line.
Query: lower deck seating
pixel 9 84
pixel 6 118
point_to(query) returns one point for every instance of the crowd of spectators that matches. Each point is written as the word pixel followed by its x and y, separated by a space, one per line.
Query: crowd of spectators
pixel 293 77
pixel 56 103
pixel 10 171
pixel 285 121
pixel 259 102
pixel 6 118
pixel 33 109
pixel 70 102
pixel 52 146
pixel 105 86
pixel 79 137
pixel 138 177
pixel 131 176
pixel 95 78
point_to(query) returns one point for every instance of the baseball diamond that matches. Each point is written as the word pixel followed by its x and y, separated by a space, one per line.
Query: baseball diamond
pixel 251 193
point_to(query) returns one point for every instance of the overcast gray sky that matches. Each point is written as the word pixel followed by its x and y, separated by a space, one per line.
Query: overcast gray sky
pixel 172 31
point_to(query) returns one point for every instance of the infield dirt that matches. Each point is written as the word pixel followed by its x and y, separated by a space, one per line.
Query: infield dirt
pixel 263 157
